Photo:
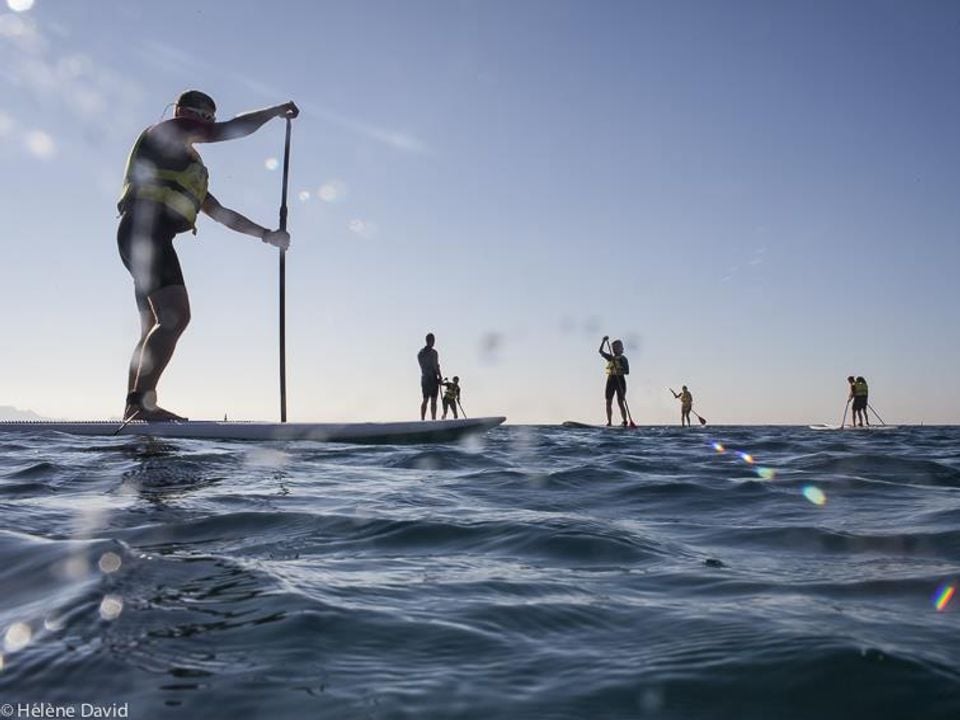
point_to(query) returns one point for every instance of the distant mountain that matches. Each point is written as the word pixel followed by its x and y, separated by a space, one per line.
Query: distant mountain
pixel 8 412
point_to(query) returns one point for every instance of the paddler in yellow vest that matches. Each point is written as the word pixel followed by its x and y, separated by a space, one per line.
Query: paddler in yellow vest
pixel 686 404
pixel 165 186
pixel 451 396
pixel 860 393
pixel 618 367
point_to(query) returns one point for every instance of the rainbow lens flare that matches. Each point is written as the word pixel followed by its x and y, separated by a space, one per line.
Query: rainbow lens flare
pixel 766 473
pixel 943 596
pixel 815 495
pixel 719 447
pixel 747 458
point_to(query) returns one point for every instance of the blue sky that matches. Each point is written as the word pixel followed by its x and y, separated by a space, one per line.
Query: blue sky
pixel 758 197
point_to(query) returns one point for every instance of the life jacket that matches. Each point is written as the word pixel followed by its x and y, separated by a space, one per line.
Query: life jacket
pixel 181 191
pixel 451 391
pixel 616 366
pixel 860 388
pixel 686 398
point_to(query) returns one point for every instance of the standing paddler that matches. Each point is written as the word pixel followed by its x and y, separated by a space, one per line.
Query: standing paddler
pixel 165 186
pixel 618 367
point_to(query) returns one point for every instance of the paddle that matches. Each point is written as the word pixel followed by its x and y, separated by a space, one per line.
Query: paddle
pixel 283 279
pixel 877 414
pixel 462 411
pixel 702 421
pixel 843 420
pixel 624 387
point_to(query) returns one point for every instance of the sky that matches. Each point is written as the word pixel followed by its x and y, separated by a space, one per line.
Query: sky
pixel 759 198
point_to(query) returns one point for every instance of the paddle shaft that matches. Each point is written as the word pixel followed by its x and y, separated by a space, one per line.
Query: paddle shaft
pixel 462 411
pixel 283 278
pixel 623 382
pixel 876 413
pixel 844 418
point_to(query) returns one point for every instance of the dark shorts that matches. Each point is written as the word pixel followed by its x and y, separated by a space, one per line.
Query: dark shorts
pixel 859 402
pixel 145 241
pixel 430 387
pixel 616 385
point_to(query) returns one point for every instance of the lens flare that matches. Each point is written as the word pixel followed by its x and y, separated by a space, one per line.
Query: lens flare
pixel 17 637
pixel 109 563
pixel 719 447
pixel 111 606
pixel 943 596
pixel 304 195
pixel 815 495
pixel 271 163
pixel 766 473
pixel 19 5
pixel 40 144
pixel 332 191
pixel 747 458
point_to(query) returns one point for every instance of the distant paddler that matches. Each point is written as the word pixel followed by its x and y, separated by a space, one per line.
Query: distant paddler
pixel 686 404
pixel 451 396
pixel 686 407
pixel 165 187
pixel 430 377
pixel 618 367
pixel 860 392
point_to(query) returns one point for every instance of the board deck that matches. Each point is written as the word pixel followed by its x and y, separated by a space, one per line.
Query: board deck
pixel 390 432
pixel 586 426
pixel 851 427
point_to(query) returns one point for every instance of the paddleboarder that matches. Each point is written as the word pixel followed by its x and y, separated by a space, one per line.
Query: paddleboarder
pixel 165 187
pixel 618 367
pixel 859 391
pixel 451 396
pixel 686 405
pixel 430 377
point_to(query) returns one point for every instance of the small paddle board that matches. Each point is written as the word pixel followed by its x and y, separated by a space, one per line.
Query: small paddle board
pixel 386 433
pixel 851 427
pixel 586 426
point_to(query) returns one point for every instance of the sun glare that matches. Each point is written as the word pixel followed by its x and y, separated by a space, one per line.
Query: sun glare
pixel 19 5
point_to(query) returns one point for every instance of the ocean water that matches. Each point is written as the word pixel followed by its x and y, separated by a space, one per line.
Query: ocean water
pixel 536 572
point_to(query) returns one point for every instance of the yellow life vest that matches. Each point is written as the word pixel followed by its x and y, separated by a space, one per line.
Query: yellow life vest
pixel 615 366
pixel 860 389
pixel 450 393
pixel 182 191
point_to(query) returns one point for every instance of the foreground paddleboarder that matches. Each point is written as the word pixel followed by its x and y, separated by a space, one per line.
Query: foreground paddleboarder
pixel 165 186
pixel 618 367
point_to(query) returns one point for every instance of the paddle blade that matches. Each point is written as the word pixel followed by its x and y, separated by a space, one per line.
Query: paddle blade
pixel 702 420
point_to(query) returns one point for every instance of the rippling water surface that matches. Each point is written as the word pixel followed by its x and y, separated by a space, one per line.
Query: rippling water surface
pixel 537 572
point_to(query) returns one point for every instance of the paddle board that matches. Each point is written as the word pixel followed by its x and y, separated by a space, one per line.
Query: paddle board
pixel 586 426
pixel 851 427
pixel 391 432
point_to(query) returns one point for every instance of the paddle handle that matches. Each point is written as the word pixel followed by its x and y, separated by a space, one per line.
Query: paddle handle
pixel 283 277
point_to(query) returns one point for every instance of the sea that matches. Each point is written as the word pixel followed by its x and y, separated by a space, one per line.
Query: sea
pixel 535 572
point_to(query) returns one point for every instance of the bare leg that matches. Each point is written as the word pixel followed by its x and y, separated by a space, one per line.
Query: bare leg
pixel 147 321
pixel 609 411
pixel 433 408
pixel 171 314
